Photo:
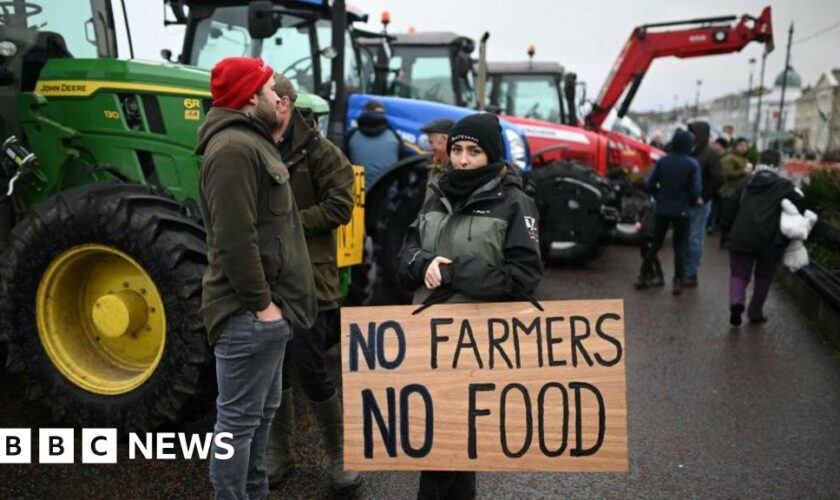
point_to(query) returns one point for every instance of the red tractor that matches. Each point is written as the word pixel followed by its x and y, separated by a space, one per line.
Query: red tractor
pixel 557 136
pixel 576 206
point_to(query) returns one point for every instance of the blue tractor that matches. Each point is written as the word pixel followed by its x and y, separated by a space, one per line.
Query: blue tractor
pixel 316 44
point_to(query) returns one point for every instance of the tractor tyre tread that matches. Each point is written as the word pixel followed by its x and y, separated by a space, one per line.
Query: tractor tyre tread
pixel 155 231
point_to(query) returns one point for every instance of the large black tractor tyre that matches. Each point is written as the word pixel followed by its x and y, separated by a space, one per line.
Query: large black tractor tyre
pixel 571 201
pixel 59 254
pixel 400 211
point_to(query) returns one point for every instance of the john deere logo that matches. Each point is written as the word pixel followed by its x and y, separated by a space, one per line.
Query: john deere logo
pixel 61 88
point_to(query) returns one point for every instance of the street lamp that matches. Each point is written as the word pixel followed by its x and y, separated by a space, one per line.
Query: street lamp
pixel 749 91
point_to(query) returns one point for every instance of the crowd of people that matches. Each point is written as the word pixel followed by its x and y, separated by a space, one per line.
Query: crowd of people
pixel 273 192
pixel 702 185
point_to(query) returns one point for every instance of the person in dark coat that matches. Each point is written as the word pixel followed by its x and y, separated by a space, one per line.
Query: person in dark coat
pixel 321 179
pixel 475 240
pixel 712 180
pixel 675 185
pixel 756 243
pixel 374 144
pixel 258 283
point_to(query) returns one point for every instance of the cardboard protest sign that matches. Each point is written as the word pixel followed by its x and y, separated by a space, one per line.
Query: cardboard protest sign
pixel 493 386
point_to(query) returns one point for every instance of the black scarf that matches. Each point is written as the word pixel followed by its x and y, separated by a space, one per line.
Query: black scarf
pixel 372 124
pixel 458 184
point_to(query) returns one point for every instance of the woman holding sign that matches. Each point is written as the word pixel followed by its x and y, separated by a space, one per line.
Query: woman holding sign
pixel 475 240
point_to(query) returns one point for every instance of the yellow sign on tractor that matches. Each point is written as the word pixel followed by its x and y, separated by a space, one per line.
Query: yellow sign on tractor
pixel 351 236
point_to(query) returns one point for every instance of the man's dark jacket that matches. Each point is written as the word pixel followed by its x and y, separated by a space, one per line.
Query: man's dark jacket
pixel 710 168
pixel 322 182
pixel 492 238
pixel 256 250
pixel 675 179
pixel 755 211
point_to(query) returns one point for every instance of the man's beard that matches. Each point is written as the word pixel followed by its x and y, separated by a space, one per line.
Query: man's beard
pixel 266 114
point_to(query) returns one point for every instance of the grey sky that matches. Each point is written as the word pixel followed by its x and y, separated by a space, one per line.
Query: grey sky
pixel 587 35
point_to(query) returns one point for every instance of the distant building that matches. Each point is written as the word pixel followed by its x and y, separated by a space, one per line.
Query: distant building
pixel 730 110
pixel 818 114
pixel 806 117
pixel 770 113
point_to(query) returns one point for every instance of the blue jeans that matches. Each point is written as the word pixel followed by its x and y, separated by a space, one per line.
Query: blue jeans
pixel 697 217
pixel 249 371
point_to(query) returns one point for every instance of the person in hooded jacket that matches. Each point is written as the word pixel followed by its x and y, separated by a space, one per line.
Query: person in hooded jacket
pixel 756 243
pixel 475 240
pixel 374 144
pixel 258 283
pixel 674 183
pixel 711 179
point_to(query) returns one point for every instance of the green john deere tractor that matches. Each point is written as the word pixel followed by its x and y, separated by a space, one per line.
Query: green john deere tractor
pixel 100 279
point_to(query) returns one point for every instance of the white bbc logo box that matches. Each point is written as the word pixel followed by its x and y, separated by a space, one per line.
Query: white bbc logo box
pixel 15 446
pixel 99 446
pixel 57 446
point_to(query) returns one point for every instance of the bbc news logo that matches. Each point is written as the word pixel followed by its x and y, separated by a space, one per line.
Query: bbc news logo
pixel 99 446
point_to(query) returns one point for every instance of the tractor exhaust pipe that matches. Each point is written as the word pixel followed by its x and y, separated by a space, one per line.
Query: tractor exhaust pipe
pixel 481 84
pixel 569 91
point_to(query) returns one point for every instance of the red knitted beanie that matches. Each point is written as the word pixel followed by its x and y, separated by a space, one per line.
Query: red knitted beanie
pixel 234 80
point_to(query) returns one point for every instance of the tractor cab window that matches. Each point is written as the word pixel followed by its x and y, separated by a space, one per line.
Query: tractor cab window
pixel 69 27
pixel 530 96
pixel 289 50
pixel 353 70
pixel 223 35
pixel 421 73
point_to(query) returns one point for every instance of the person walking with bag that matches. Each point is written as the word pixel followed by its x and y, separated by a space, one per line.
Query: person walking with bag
pixel 756 242
pixel 475 240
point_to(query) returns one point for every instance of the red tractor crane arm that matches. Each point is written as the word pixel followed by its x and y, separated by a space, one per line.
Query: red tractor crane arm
pixel 708 36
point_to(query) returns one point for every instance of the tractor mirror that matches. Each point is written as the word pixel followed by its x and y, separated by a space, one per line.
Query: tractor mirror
pixel 262 23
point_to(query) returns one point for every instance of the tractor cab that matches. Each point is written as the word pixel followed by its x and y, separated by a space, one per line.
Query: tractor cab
pixel 434 66
pixel 527 89
pixel 293 37
pixel 296 40
pixel 34 32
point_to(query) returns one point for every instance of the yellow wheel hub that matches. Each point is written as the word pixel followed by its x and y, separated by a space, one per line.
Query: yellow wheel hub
pixel 101 319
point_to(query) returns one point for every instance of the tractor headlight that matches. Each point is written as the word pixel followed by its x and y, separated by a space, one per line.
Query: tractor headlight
pixel 8 49
pixel 518 152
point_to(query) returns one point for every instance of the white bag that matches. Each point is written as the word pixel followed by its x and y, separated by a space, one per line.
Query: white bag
pixel 796 227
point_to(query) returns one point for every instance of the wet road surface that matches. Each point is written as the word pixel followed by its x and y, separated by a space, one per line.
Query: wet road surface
pixel 712 411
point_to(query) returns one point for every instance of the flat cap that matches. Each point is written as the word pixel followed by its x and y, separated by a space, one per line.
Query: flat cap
pixel 439 126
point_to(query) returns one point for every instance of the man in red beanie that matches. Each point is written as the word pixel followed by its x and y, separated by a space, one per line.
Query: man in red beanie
pixel 258 283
